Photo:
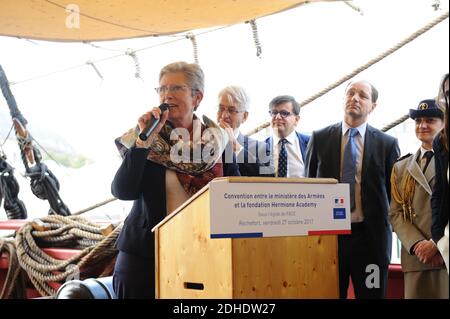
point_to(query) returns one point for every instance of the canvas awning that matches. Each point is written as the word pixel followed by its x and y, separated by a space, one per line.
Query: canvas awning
pixel 89 20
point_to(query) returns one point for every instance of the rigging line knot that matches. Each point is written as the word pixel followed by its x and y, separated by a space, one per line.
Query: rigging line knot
pixel 133 55
pixel 191 36
pixel 255 37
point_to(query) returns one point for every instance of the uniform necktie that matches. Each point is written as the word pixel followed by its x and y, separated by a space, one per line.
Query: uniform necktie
pixel 349 165
pixel 282 159
pixel 426 160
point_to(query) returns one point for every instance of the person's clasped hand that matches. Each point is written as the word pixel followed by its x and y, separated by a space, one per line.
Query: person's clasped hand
pixel 425 250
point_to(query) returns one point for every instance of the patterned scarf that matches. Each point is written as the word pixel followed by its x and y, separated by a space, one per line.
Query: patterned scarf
pixel 192 174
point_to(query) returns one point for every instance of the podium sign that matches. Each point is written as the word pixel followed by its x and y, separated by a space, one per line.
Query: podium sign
pixel 240 210
pixel 193 265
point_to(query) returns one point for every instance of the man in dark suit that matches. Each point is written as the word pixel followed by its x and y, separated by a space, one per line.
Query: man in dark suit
pixel 283 153
pixel 354 152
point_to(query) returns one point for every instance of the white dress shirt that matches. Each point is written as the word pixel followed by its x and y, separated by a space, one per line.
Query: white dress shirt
pixel 296 167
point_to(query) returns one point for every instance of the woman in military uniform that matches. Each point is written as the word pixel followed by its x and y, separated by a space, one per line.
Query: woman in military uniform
pixel 410 212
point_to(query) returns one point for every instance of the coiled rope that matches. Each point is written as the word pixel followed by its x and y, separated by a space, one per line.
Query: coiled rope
pixel 64 231
pixel 14 285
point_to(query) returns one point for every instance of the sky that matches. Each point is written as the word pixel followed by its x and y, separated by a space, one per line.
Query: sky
pixel 303 50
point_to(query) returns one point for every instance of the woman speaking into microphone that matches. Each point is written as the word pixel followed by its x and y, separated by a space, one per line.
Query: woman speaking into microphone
pixel 157 178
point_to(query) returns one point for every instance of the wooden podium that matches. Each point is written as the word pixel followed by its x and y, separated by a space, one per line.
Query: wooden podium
pixel 189 264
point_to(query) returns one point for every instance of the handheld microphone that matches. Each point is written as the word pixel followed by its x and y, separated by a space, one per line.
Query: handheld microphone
pixel 146 132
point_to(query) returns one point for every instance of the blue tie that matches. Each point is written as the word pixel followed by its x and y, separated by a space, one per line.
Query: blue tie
pixel 282 159
pixel 349 165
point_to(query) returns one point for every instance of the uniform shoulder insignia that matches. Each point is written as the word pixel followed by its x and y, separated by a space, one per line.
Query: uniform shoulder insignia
pixel 403 157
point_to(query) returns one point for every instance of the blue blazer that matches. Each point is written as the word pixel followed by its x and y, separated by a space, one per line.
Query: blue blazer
pixel 261 153
pixel 323 158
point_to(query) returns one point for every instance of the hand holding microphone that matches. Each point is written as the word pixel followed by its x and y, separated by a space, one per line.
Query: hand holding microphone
pixel 148 123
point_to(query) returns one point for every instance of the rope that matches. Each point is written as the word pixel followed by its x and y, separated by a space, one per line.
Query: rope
pixel 6 138
pixel 255 37
pixel 95 206
pixel 191 37
pixel 133 55
pixel 373 61
pixel 258 128
pixel 408 186
pixel 60 231
pixel 354 7
pixel 395 123
pixel 95 68
pixel 107 58
pixel 376 59
pixel 14 284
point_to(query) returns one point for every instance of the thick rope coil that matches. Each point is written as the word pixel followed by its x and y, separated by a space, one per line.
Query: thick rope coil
pixel 255 37
pixel 60 231
pixel 14 284
pixel 191 37
pixel 133 55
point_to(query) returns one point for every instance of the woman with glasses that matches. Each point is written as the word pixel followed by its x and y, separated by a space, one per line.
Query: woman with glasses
pixel 160 173
pixel 439 199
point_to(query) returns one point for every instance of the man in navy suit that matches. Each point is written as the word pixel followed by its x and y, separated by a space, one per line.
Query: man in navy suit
pixel 285 141
pixel 365 254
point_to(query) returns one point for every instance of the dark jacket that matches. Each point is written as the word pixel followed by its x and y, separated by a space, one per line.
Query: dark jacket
pixel 380 153
pixel 439 199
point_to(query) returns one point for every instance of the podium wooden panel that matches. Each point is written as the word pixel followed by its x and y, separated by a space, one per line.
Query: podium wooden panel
pixel 189 264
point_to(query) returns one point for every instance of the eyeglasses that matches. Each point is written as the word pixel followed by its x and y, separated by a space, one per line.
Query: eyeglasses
pixel 282 113
pixel 172 89
pixel 231 110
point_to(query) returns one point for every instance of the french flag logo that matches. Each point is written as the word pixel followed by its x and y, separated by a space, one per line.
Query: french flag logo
pixel 339 201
